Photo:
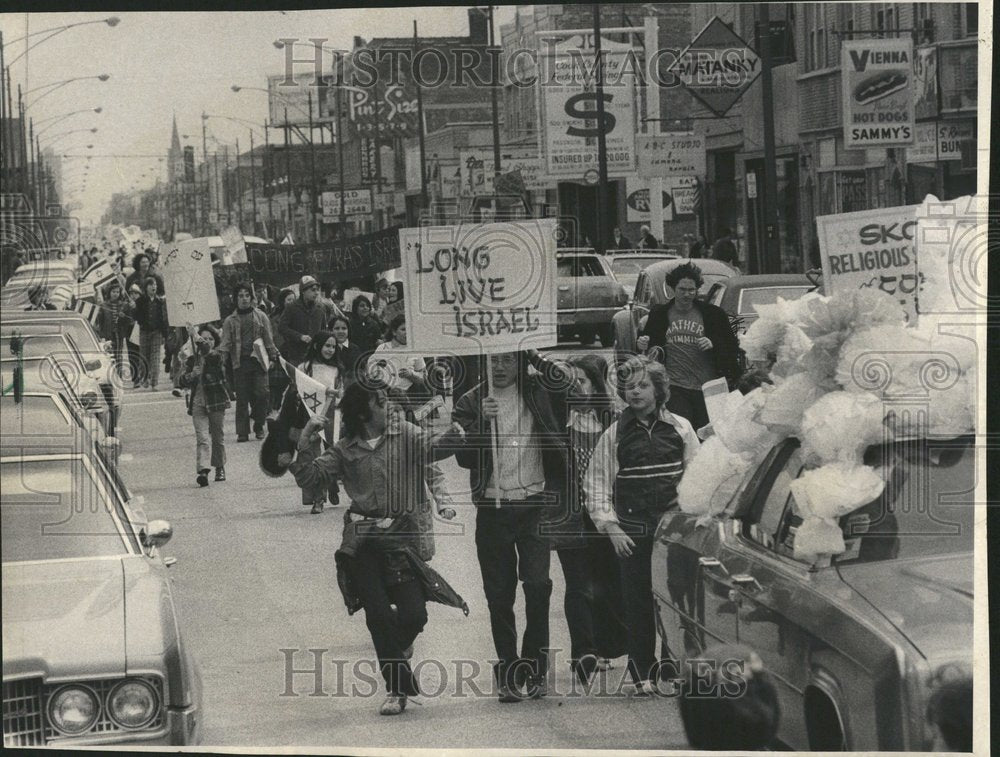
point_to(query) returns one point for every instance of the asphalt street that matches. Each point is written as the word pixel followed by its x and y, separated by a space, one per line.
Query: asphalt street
pixel 256 590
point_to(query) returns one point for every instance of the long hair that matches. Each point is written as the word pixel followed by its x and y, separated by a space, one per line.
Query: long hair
pixel 639 365
pixel 279 304
pixel 357 301
pixel 395 323
pixel 601 401
pixel 355 409
pixel 315 352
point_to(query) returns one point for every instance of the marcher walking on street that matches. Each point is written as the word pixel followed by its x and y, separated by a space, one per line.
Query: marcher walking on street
pixel 240 331
pixel 205 378
pixel 277 379
pixel 381 564
pixel 114 323
pixel 301 319
pixel 511 493
pixel 630 483
pixel 151 314
pixel 398 369
pixel 697 340
pixel 366 328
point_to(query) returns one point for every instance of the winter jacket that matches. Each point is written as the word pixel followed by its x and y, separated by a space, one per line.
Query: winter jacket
pixel 725 351
pixel 151 314
pixel 212 378
pixel 297 321
pixel 232 338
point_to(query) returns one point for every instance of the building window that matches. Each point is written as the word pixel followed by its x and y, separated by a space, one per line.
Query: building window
pixel 814 17
pixel 923 23
pixel 886 20
pixel 970 19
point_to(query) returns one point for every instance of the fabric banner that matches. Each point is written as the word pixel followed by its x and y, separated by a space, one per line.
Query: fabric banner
pixel 188 282
pixel 281 265
pixel 872 249
pixel 480 288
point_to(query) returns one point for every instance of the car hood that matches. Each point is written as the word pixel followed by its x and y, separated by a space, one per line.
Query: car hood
pixel 64 618
pixel 929 600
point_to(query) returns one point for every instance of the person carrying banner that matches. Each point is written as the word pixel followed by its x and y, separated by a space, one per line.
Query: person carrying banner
pixel 381 563
pixel 245 333
pixel 151 315
pixel 517 457
pixel 630 482
pixel 301 319
pixel 205 378
pixel 321 364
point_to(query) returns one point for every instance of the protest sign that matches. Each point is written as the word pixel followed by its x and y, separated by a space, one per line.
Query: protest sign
pixel 480 288
pixel 878 92
pixel 189 282
pixel 284 264
pixel 872 249
pixel 236 248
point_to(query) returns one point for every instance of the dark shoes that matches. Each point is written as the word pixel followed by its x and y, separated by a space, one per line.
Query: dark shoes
pixel 242 438
pixel 509 694
pixel 334 498
pixel 220 474
pixel 202 478
pixel 259 434
pixel 176 393
pixel 317 508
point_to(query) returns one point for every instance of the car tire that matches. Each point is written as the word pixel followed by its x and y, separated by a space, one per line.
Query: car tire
pixel 607 335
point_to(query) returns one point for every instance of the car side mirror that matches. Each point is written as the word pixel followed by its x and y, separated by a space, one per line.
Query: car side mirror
pixel 156 534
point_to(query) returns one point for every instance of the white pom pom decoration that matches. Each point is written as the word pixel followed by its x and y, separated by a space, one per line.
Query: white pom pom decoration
pixel 839 426
pixel 712 478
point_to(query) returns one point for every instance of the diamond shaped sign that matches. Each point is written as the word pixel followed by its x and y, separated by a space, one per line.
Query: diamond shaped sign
pixel 717 67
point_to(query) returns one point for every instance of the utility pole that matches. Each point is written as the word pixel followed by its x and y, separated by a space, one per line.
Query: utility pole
pixel 770 258
pixel 377 185
pixel 239 185
pixel 269 186
pixel 420 122
pixel 602 145
pixel 340 155
pixel 288 171
pixel 253 186
pixel 314 197
pixel 494 85
pixel 204 153
pixel 229 210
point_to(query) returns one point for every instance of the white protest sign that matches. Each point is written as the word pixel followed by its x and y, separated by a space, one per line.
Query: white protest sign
pixel 188 282
pixel 872 249
pixel 236 248
pixel 480 288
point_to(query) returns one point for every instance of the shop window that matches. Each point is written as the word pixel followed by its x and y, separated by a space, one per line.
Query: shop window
pixel 923 23
pixel 970 19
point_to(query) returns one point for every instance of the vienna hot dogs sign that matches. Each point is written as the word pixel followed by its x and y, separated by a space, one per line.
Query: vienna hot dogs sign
pixel 877 90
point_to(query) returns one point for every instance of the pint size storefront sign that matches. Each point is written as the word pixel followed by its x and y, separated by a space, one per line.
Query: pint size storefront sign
pixel 877 90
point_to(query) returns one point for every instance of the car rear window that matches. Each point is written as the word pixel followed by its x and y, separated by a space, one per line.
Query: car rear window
pixel 581 265
pixel 34 345
pixel 34 415
pixel 53 509
pixel 751 298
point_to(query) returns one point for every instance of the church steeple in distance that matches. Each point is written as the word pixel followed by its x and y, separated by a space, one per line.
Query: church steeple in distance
pixel 175 156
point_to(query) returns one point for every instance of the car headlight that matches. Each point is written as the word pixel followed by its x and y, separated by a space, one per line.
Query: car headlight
pixel 132 704
pixel 73 709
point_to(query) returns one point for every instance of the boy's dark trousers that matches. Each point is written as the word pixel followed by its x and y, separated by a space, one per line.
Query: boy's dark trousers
pixel 510 547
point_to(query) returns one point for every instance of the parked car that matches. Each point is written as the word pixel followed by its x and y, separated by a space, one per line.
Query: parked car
pixel 96 354
pixel 627 264
pixel 651 289
pixel 740 295
pixel 50 375
pixel 855 644
pixel 588 295
pixel 92 647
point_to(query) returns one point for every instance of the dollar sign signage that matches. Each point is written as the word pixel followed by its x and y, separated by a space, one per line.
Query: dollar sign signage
pixel 572 120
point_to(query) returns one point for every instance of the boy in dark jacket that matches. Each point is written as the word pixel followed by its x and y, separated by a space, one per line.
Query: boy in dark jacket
pixel 514 501
pixel 300 320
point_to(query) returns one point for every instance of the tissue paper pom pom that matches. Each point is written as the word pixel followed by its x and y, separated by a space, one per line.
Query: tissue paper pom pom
pixel 762 338
pixel 711 478
pixel 740 432
pixel 818 536
pixel 785 402
pixel 835 489
pixel 880 359
pixel 793 347
pixel 839 426
pixel 846 311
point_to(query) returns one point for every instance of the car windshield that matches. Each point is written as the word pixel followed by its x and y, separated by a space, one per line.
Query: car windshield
pixel 37 345
pixel 751 298
pixel 579 265
pixel 53 509
pixel 36 415
pixel 626 265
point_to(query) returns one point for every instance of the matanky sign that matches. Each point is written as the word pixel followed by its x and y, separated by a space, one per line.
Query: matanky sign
pixel 480 288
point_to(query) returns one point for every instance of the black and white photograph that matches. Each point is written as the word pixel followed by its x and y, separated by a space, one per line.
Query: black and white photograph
pixel 496 379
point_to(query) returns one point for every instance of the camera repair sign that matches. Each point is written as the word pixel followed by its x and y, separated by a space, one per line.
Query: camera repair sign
pixel 877 89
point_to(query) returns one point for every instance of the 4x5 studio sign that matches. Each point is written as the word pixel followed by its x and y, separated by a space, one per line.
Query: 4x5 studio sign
pixel 717 67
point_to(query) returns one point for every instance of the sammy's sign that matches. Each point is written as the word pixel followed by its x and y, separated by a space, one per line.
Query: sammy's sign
pixel 878 93
pixel 872 249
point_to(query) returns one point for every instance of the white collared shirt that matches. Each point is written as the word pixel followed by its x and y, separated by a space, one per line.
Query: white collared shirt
pixel 517 471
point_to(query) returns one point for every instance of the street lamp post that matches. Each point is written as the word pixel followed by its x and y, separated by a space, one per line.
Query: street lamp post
pixel 53 120
pixel 54 86
pixel 253 187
